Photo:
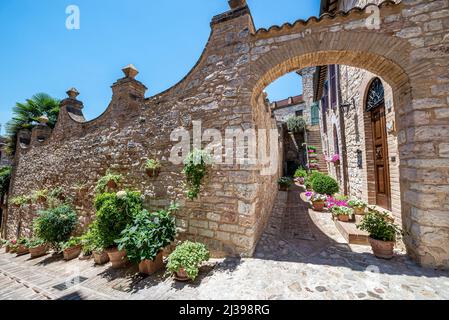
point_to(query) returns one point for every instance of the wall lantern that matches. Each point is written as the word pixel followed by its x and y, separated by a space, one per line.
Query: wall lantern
pixel 359 159
pixel 347 104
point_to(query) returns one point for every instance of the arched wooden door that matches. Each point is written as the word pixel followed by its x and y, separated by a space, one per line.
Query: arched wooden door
pixel 376 107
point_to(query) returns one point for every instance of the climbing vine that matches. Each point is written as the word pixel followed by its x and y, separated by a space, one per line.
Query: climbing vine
pixel 195 169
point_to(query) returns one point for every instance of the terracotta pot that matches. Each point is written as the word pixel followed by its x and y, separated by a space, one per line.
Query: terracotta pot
pixel 111 184
pixel 149 267
pixel 343 218
pixel 118 258
pixel 153 173
pixel 181 275
pixel 22 250
pixel 382 249
pixel 38 251
pixel 100 258
pixel 72 253
pixel 359 211
pixel 318 205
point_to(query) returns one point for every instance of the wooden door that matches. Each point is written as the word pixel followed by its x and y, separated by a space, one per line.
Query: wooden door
pixel 381 167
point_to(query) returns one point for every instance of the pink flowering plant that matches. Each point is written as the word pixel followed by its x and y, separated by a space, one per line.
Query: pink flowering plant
pixel 335 202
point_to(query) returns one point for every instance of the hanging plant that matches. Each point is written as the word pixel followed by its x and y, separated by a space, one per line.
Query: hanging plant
pixel 109 181
pixel 296 124
pixel 195 169
pixel 152 167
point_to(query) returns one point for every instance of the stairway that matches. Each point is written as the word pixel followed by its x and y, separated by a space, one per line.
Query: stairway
pixel 314 139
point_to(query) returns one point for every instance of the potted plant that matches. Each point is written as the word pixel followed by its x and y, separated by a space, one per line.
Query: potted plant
pixel 324 184
pixel 342 213
pixel 184 262
pixel 109 182
pixel 152 167
pixel 115 211
pixel 195 170
pixel 295 124
pixel 145 238
pixel 72 248
pixel 21 247
pixel 359 206
pixel 55 225
pixel 19 201
pixel 385 214
pixel 284 183
pixel 10 246
pixel 92 243
pixel 301 175
pixel 40 196
pixel 318 200
pixel 37 248
pixel 382 233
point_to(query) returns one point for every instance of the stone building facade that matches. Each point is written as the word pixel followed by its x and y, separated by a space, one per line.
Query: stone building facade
pixel 224 90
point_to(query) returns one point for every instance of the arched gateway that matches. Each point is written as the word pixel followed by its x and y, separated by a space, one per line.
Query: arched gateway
pixel 225 89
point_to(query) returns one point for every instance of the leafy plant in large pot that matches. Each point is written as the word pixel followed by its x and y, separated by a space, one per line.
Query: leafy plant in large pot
pixel 114 212
pixel 146 237
pixel 184 262
pixel 284 183
pixel 382 233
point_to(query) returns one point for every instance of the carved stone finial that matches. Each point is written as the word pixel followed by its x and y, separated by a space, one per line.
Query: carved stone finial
pixel 73 93
pixel 235 4
pixel 130 71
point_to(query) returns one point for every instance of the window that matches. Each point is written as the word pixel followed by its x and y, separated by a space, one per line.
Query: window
pixel 333 85
pixel 299 113
pixel 375 95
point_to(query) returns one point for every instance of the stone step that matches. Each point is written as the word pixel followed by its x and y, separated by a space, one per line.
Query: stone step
pixel 350 232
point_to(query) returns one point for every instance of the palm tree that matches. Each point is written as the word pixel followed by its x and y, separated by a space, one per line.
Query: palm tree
pixel 26 115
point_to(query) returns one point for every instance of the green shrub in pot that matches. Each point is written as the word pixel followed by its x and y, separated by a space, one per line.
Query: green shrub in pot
pixel 55 225
pixel 188 256
pixel 324 184
pixel 114 212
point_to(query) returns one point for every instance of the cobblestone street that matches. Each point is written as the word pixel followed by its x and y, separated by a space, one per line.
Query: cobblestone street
pixel 301 255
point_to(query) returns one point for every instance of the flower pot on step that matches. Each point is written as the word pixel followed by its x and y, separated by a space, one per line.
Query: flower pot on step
pixel 38 251
pixel 359 211
pixel 72 253
pixel 343 218
pixel 22 250
pixel 181 275
pixel 100 258
pixel 318 205
pixel 149 267
pixel 382 249
pixel 117 257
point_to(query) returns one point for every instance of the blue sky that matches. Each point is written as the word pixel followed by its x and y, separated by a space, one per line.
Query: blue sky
pixel 163 39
